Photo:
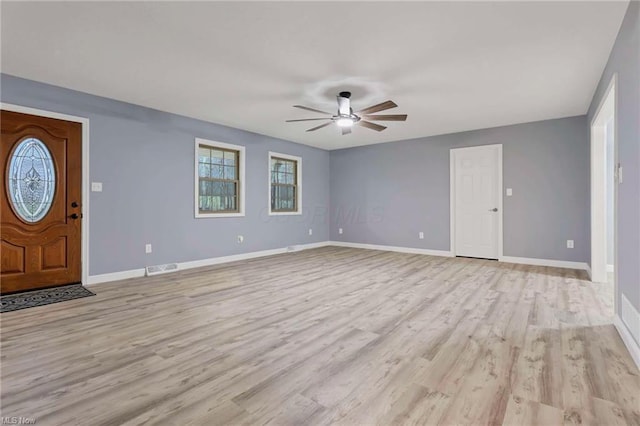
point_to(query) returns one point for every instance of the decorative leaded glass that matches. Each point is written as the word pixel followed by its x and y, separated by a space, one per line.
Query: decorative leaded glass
pixel 32 180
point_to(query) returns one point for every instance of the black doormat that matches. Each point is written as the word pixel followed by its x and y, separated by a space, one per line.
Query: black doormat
pixel 46 296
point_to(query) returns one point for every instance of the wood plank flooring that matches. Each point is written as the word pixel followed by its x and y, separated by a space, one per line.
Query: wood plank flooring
pixel 326 336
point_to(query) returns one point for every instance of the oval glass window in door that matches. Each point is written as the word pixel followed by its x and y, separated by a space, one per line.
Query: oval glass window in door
pixel 32 180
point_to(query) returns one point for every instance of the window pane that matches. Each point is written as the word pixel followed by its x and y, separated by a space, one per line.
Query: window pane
pixel 204 169
pixel 216 172
pixel 204 189
pixel 229 172
pixel 205 203
pixel 289 179
pixel 204 154
pixel 230 188
pixel 216 156
pixel 229 158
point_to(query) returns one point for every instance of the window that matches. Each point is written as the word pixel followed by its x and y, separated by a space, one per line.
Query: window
pixel 219 179
pixel 285 184
pixel 32 180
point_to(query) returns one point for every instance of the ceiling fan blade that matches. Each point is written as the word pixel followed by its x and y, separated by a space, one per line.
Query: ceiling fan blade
pixel 307 119
pixel 346 130
pixel 311 109
pixel 320 126
pixel 378 107
pixel 372 126
pixel 396 117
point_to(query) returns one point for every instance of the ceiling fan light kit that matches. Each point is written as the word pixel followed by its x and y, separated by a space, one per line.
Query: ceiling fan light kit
pixel 346 118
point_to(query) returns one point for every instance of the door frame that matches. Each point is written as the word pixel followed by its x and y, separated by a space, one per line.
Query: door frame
pixel 85 172
pixel 452 196
pixel 598 187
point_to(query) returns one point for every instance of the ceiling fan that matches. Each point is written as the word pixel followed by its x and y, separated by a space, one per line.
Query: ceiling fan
pixel 346 118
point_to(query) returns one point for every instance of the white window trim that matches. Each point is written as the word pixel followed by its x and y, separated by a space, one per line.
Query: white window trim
pixel 298 178
pixel 241 176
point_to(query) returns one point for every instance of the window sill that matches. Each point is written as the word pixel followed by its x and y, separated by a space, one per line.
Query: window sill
pixel 298 213
pixel 216 215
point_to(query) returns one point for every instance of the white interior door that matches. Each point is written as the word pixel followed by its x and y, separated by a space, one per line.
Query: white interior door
pixel 477 194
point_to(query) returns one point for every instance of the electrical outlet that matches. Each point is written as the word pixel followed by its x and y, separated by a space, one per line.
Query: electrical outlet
pixel 240 239
pixel 310 231
pixel 509 192
pixel 96 186
pixel 421 235
pixel 147 248
pixel 339 230
pixel 569 243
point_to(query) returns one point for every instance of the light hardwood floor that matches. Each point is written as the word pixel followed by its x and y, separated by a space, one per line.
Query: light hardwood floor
pixel 326 336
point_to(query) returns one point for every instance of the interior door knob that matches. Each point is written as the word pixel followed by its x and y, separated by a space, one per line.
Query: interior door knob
pixel 74 216
pixel 495 209
pixel 74 204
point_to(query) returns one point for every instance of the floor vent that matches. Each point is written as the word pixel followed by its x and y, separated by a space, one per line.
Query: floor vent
pixel 161 269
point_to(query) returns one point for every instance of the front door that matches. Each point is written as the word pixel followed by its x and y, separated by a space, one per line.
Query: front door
pixel 476 192
pixel 41 202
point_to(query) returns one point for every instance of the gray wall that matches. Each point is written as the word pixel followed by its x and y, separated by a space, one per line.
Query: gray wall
pixel 625 61
pixel 145 159
pixel 387 193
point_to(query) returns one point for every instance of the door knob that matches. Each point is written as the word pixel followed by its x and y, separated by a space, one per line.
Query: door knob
pixel 74 204
pixel 495 209
pixel 74 216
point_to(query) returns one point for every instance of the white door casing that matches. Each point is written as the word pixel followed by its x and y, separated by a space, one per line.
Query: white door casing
pixel 606 113
pixel 476 194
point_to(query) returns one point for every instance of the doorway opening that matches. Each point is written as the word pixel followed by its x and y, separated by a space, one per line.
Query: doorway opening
pixel 604 194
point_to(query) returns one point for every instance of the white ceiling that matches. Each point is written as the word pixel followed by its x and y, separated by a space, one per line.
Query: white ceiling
pixel 450 66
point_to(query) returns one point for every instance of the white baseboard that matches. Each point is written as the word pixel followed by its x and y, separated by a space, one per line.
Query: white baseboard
pixel 628 325
pixel 136 273
pixel 546 262
pixel 392 248
pixel 627 338
pixel 115 276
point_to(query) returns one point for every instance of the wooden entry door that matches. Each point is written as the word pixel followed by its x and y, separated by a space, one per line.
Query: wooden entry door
pixel 476 193
pixel 40 222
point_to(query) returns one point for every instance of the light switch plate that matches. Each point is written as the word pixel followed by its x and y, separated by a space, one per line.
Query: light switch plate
pixel 509 192
pixel 96 186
